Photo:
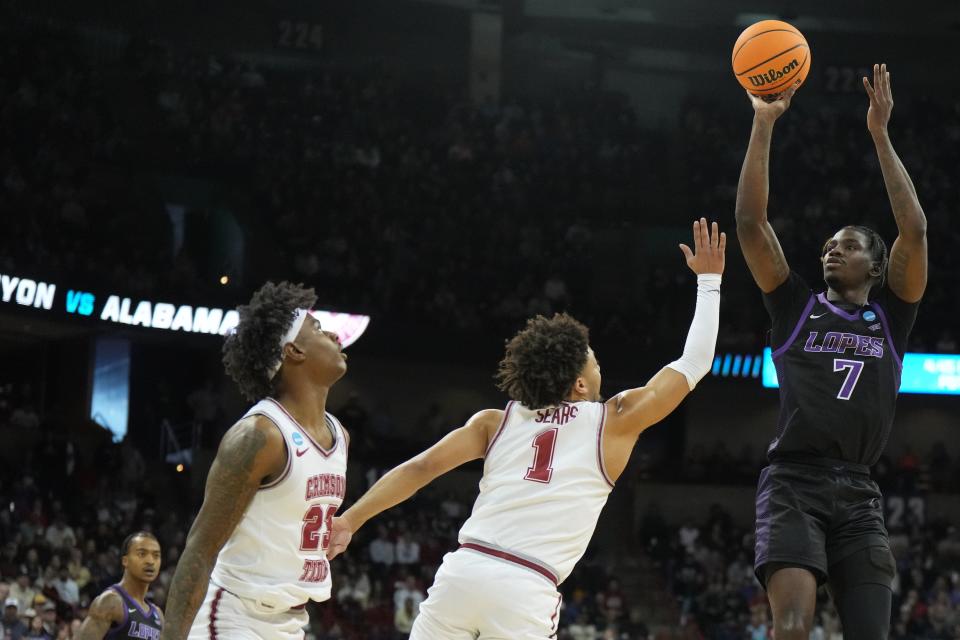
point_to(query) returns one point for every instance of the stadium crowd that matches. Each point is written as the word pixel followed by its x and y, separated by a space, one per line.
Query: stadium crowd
pixel 395 195
pixel 399 196
pixel 64 519
pixel 709 568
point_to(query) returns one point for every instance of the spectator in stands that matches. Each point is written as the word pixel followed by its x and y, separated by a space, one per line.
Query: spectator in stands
pixel 407 590
pixel 59 535
pixel 48 612
pixel 78 569
pixel 13 626
pixel 8 561
pixel 66 587
pixel 22 591
pixel 581 629
pixel 382 550
pixel 36 630
pixel 408 550
pixel 759 628
pixel 611 601
pixel 406 614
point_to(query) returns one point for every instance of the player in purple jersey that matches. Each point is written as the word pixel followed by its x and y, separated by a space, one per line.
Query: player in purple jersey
pixel 122 611
pixel 838 356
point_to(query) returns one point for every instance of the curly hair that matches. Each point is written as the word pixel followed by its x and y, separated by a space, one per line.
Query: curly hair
pixel 254 347
pixel 544 360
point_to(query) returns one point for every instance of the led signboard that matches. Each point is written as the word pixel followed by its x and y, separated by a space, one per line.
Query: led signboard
pixel 151 314
pixel 934 373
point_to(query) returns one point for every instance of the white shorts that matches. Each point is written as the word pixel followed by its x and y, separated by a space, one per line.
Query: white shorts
pixel 476 596
pixel 224 616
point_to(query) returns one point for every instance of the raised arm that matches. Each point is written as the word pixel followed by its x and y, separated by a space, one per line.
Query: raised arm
pixel 251 451
pixel 907 275
pixel 105 611
pixel 467 443
pixel 632 411
pixel 759 243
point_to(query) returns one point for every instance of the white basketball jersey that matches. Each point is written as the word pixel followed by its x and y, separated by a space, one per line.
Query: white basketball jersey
pixel 277 553
pixel 543 485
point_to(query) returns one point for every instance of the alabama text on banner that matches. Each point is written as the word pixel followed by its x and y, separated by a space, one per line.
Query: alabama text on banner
pixel 150 314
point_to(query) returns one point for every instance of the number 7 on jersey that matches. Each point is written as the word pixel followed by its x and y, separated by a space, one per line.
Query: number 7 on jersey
pixel 854 367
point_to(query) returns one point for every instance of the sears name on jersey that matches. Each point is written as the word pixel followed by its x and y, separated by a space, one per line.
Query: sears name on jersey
pixel 837 342
pixel 560 415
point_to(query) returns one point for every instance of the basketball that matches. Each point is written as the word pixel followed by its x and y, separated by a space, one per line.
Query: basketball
pixel 769 57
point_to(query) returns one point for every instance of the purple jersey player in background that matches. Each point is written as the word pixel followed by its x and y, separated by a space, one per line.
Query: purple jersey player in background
pixel 122 611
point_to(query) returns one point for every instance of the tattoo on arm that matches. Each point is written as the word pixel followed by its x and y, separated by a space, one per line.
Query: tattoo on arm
pixel 105 611
pixel 758 240
pixel 908 257
pixel 900 190
pixel 898 268
pixel 777 259
pixel 231 486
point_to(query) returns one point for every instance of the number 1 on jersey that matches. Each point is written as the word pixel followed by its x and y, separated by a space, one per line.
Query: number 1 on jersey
pixel 854 368
pixel 542 469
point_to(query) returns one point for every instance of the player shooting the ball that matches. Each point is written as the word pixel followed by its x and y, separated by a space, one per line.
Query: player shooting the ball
pixel 838 356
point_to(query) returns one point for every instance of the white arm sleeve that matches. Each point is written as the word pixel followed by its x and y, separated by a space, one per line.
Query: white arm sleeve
pixel 701 343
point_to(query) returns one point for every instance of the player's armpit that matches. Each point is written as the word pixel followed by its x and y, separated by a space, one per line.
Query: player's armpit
pixel 250 451
pixel 462 445
pixel 632 411
pixel 105 611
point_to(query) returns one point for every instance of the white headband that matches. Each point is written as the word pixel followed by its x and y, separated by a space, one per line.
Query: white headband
pixel 289 336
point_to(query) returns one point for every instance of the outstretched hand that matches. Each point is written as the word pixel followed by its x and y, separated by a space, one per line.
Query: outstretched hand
pixel 340 537
pixel 776 107
pixel 881 99
pixel 709 247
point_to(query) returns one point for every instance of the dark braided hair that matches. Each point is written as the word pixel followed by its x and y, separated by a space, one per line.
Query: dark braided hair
pixel 254 347
pixel 877 248
pixel 544 360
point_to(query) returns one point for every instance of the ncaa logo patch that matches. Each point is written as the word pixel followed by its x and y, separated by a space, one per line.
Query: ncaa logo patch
pixel 297 438
pixel 869 316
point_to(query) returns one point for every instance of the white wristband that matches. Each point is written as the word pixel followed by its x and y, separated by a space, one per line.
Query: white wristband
pixel 701 342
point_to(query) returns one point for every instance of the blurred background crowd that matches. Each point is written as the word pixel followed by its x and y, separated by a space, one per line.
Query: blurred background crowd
pixel 191 170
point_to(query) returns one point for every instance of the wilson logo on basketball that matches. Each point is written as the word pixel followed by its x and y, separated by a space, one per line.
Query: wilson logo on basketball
pixel 773 75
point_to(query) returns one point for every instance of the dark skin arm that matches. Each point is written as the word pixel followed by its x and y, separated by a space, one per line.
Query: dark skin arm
pixel 251 451
pixel 759 242
pixel 105 611
pixel 907 275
